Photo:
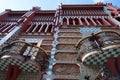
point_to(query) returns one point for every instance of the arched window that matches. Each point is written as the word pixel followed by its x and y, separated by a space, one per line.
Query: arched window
pixel 76 21
pixel 64 21
pixel 83 21
pixel 32 27
pixel 70 21
pixel 90 22
pixel 43 28
pixel 95 20
pixel 100 21
pixel 38 28
pixel 49 28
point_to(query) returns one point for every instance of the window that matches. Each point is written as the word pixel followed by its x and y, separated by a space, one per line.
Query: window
pixel 70 21
pixel 76 21
pixel 43 28
pixel 30 50
pixel 50 28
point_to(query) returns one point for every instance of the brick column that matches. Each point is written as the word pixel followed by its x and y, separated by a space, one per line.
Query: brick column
pixel 16 72
pixel 9 72
pixel 111 66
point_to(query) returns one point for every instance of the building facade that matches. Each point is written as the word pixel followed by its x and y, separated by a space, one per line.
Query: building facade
pixel 73 42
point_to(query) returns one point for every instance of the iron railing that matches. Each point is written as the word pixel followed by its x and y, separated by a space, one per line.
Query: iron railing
pixel 105 39
pixel 34 55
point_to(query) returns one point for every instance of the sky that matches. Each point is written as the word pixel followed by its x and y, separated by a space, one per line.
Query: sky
pixel 46 4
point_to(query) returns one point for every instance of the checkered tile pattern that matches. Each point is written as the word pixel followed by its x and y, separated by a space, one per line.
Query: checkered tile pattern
pixel 101 58
pixel 14 61
pixel 88 30
pixel 29 68
pixel 6 61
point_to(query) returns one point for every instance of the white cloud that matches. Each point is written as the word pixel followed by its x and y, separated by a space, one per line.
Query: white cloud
pixel 95 1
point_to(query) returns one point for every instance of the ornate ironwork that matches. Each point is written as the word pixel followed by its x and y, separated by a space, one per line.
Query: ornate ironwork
pixel 35 56
pixel 105 39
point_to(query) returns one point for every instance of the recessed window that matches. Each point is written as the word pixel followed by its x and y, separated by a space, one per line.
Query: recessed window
pixel 70 21
pixel 50 28
pixel 76 21
pixel 30 50
pixel 44 28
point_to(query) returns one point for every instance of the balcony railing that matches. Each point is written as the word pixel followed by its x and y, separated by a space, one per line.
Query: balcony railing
pixel 27 56
pixel 97 43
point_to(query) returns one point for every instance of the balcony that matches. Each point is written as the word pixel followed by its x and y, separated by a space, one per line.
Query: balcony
pixel 98 51
pixel 28 57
